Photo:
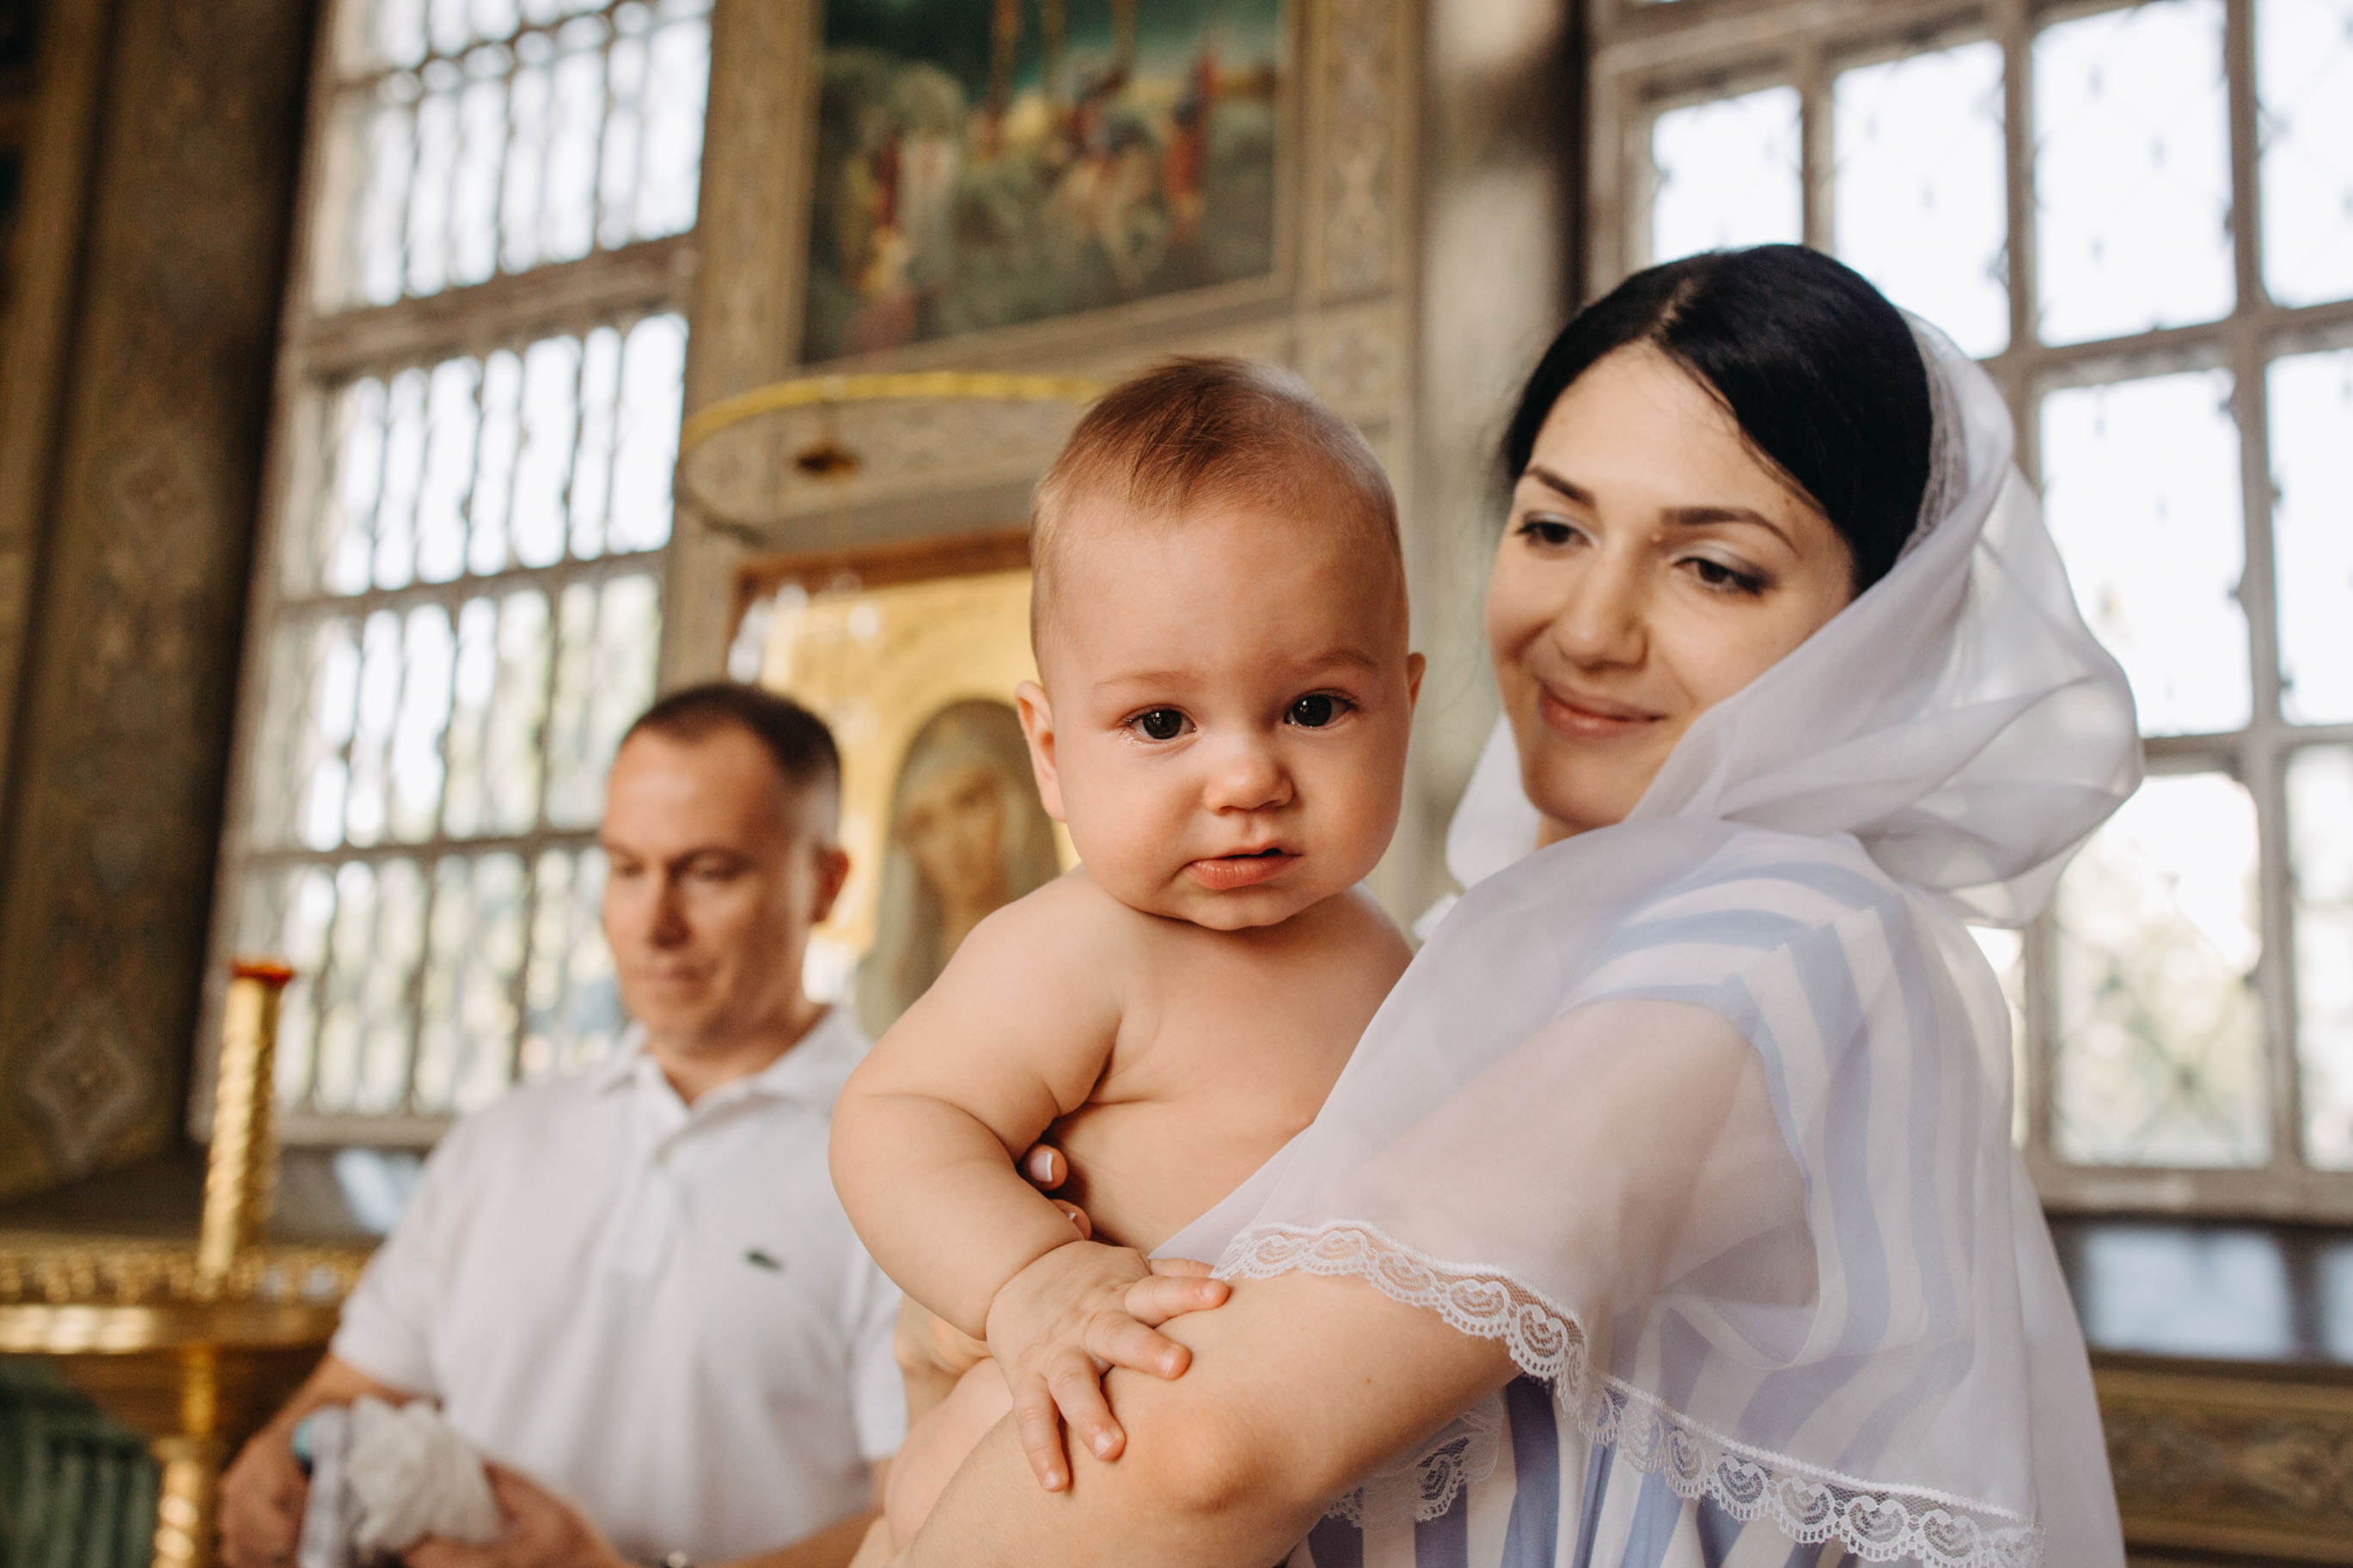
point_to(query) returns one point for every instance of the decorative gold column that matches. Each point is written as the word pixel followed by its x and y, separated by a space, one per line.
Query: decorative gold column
pixel 191 1347
pixel 187 1493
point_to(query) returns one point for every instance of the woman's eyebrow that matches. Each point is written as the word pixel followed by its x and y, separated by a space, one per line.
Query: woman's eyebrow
pixel 1702 516
pixel 1689 516
pixel 1552 482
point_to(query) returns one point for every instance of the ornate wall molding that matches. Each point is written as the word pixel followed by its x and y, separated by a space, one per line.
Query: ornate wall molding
pixel 2226 1462
pixel 1361 112
pixel 1355 359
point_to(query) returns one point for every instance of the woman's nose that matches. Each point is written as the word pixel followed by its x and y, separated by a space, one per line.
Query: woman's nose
pixel 1246 775
pixel 1601 620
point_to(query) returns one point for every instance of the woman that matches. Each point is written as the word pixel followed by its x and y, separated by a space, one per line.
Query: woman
pixel 967 837
pixel 1667 1214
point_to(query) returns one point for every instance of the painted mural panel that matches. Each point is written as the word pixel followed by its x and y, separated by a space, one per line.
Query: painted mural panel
pixel 984 162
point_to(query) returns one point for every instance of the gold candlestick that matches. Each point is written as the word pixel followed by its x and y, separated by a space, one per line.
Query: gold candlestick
pixel 193 1348
pixel 241 1170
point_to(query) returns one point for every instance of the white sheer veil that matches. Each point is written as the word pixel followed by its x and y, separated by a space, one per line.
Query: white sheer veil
pixel 1705 1116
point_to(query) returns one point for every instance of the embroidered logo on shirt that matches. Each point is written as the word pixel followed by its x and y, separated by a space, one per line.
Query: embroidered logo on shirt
pixel 759 1259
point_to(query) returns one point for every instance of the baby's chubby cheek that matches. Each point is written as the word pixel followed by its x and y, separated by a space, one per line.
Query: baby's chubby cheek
pixel 1125 846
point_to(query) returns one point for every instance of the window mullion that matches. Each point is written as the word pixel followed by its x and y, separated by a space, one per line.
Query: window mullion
pixel 2246 154
pixel 646 276
pixel 2263 761
pixel 2013 28
pixel 1816 150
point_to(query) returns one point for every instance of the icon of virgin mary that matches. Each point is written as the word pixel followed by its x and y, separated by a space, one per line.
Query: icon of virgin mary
pixel 967 836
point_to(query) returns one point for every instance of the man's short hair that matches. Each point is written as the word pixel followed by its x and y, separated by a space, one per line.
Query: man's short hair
pixel 796 740
pixel 1211 428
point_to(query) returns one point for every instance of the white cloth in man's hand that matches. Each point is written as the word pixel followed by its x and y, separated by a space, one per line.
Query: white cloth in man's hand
pixel 412 1477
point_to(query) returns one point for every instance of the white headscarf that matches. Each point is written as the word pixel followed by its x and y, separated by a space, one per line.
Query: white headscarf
pixel 1707 1115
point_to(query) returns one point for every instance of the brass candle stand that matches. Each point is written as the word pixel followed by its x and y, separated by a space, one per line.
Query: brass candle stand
pixel 192 1347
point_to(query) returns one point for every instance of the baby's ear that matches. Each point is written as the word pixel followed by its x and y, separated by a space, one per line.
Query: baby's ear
pixel 1038 726
pixel 1414 665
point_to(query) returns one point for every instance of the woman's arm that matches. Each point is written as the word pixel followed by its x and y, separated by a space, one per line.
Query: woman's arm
pixel 1623 1146
pixel 1300 1385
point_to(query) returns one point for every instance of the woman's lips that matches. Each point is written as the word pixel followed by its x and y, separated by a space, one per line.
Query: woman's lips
pixel 1226 872
pixel 1591 719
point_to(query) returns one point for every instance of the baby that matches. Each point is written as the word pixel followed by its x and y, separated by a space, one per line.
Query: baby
pixel 1219 612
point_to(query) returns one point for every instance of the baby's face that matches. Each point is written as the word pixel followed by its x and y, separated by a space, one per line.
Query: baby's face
pixel 1226 710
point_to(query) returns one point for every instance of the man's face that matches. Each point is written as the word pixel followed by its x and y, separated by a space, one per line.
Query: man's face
pixel 715 873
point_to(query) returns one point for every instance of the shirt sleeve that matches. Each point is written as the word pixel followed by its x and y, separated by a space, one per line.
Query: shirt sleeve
pixel 878 1396
pixel 388 1320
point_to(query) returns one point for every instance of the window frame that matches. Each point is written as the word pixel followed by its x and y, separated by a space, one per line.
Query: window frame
pixel 1648 57
pixel 318 352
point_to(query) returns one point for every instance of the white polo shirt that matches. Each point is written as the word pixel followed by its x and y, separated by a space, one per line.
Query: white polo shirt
pixel 660 1311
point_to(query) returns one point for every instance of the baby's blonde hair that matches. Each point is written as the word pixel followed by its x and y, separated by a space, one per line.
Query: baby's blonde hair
pixel 1208 429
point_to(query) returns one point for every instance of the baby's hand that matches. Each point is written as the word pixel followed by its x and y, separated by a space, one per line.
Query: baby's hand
pixel 1060 1325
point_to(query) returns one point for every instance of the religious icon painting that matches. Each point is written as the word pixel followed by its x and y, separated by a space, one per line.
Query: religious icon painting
pixel 911 652
pixel 980 165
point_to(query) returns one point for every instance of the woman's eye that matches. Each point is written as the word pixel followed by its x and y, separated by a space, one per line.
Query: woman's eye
pixel 1716 574
pixel 1161 724
pixel 1315 709
pixel 1548 531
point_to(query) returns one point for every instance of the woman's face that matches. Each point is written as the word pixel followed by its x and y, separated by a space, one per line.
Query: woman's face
pixel 955 828
pixel 1652 566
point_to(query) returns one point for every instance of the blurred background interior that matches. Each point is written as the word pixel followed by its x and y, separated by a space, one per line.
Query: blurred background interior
pixel 349 345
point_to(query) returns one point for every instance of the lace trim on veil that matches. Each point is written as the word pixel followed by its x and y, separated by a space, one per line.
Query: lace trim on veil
pixel 1876 1523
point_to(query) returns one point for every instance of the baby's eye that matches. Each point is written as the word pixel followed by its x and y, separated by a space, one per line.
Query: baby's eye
pixel 1316 710
pixel 1160 725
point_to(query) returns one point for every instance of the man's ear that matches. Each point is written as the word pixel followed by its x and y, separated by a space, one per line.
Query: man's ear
pixel 832 870
pixel 1038 728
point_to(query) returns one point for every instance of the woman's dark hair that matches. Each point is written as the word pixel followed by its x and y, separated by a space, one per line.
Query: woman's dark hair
pixel 1819 371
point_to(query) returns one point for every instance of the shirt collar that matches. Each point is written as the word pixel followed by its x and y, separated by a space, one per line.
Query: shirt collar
pixel 812 1070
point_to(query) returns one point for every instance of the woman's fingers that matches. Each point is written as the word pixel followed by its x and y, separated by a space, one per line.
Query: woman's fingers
pixel 1040 1427
pixel 1154 1300
pixel 1077 1216
pixel 1188 1266
pixel 1124 1342
pixel 1077 1384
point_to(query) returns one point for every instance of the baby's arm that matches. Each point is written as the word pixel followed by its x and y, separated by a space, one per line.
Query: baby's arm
pixel 1012 1036
pixel 1016 1033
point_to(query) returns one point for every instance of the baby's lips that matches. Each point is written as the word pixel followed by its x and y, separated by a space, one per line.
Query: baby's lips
pixel 1224 874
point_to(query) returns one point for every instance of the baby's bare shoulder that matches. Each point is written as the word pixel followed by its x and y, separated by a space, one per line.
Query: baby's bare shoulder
pixel 1070 921
pixel 1359 927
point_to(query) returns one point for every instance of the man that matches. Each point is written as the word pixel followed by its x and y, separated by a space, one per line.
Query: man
pixel 634 1287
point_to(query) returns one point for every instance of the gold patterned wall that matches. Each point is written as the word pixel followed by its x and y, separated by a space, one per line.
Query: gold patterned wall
pixel 138 380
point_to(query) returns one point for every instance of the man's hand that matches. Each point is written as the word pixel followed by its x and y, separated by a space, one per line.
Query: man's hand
pixel 1057 1326
pixel 542 1531
pixel 261 1498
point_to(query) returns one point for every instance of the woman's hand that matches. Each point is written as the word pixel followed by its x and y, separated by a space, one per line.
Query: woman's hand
pixel 1057 1326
